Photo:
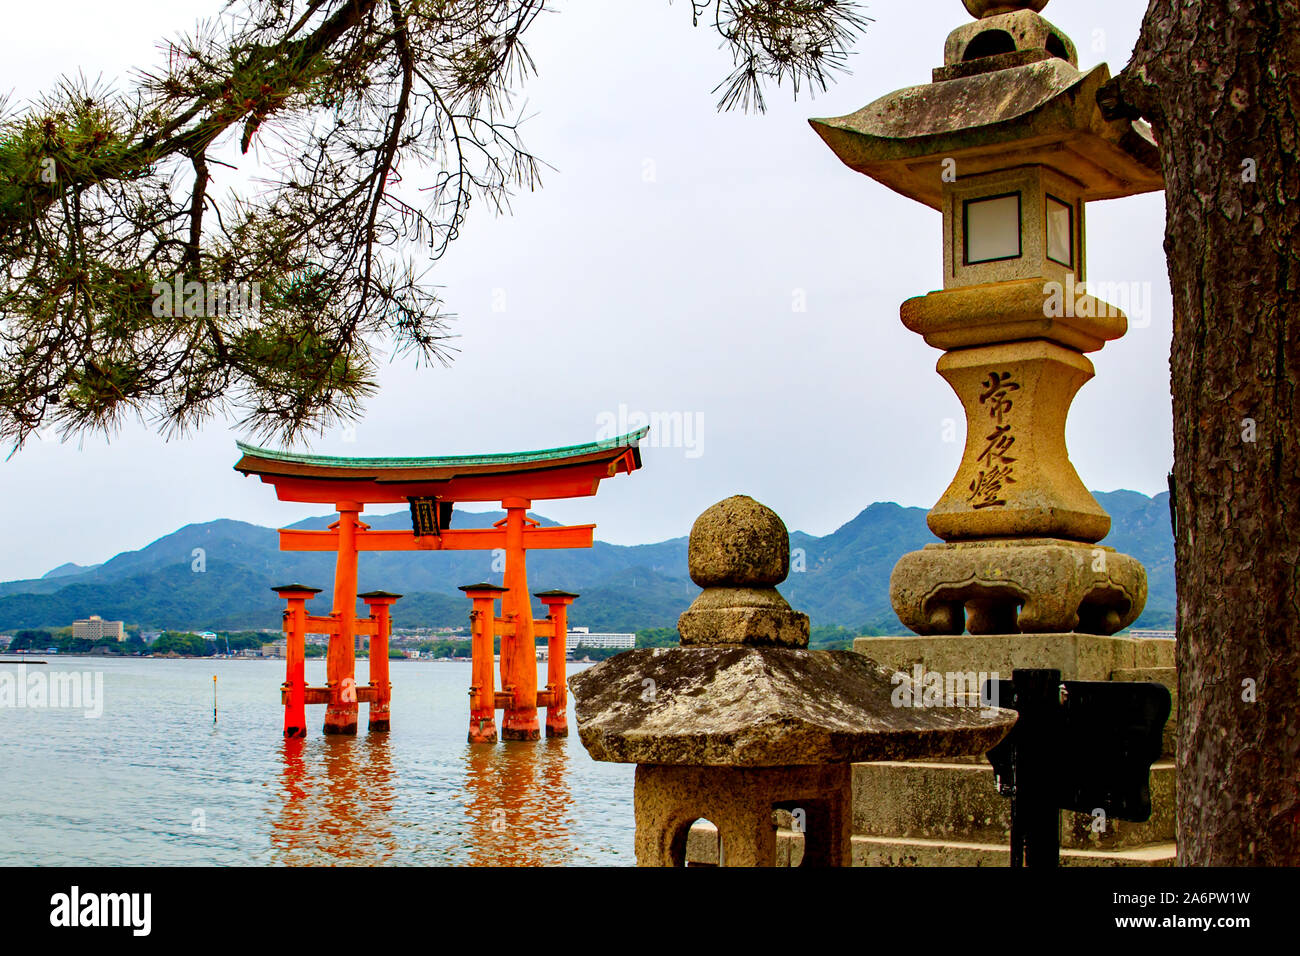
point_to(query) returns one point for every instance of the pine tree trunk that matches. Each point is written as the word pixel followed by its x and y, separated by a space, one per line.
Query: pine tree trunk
pixel 1219 80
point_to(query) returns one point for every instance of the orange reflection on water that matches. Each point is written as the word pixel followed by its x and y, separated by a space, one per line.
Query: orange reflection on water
pixel 337 795
pixel 336 802
pixel 518 803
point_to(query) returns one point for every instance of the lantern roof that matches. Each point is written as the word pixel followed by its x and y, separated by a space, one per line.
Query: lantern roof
pixel 1009 95
pixel 734 705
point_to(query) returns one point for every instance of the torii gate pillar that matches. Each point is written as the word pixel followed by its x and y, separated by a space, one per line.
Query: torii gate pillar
pixel 518 649
pixel 341 664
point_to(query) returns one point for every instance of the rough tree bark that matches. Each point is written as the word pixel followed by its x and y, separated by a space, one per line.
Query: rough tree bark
pixel 1219 80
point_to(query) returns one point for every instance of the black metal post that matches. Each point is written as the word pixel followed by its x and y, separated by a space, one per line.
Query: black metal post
pixel 1085 746
pixel 1035 817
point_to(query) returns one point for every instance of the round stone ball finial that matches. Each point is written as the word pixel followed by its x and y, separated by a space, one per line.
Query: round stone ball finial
pixel 739 543
pixel 991 8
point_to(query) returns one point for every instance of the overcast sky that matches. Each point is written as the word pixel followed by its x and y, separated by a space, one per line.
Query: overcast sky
pixel 659 269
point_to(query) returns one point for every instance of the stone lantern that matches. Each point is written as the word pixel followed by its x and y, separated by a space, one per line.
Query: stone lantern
pixel 743 721
pixel 1008 143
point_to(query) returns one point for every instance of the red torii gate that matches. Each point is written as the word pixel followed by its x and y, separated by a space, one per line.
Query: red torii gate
pixel 431 486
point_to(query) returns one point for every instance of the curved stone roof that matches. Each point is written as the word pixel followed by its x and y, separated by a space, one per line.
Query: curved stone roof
pixel 731 705
pixel 1043 112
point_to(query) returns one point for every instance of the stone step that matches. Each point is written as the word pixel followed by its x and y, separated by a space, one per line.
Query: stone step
pixel 1076 656
pixel 959 802
pixel 702 850
pixel 885 851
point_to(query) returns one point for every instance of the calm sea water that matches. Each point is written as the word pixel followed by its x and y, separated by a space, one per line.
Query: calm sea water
pixel 154 782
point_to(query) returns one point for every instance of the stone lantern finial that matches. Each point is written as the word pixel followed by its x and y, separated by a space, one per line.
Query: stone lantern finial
pixel 739 551
pixel 991 8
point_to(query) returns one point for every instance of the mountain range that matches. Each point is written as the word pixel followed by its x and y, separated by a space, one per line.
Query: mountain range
pixel 217 575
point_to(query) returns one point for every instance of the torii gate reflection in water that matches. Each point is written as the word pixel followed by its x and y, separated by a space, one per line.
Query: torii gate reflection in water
pixel 431 486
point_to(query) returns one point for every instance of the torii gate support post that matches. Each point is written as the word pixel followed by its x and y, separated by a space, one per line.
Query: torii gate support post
pixel 518 651
pixel 295 654
pixel 482 690
pixel 341 713
pixel 557 690
pixel 378 603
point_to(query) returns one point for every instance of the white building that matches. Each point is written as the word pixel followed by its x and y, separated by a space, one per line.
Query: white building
pixel 1165 635
pixel 95 628
pixel 581 636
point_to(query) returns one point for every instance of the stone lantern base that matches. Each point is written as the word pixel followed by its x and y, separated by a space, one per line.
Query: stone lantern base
pixel 1035 585
pixel 741 803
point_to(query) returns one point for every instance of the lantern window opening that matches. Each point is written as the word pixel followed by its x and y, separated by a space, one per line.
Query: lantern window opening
pixel 989 43
pixel 1057 47
pixel 1060 231
pixel 992 225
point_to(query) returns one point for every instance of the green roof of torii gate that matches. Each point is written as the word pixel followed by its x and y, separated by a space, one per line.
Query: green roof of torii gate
pixel 630 440
pixel 568 472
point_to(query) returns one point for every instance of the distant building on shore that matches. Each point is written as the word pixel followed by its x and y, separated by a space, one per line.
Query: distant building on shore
pixel 583 636
pixel 1164 635
pixel 95 628
pixel 277 649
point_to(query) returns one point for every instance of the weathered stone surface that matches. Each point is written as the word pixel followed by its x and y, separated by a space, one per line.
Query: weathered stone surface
pixel 949 813
pixel 739 543
pixel 1010 311
pixel 1048 109
pixel 960 802
pixel 702 850
pixel 888 851
pixel 1018 124
pixel 990 8
pixel 762 707
pixel 738 550
pixel 1017 586
pixel 702 844
pixel 726 597
pixel 1076 656
pixel 1021 22
pixel 744 625
pixel 742 804
pixel 755 616
pixel 1037 188
pixel 732 727
pixel 1015 479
